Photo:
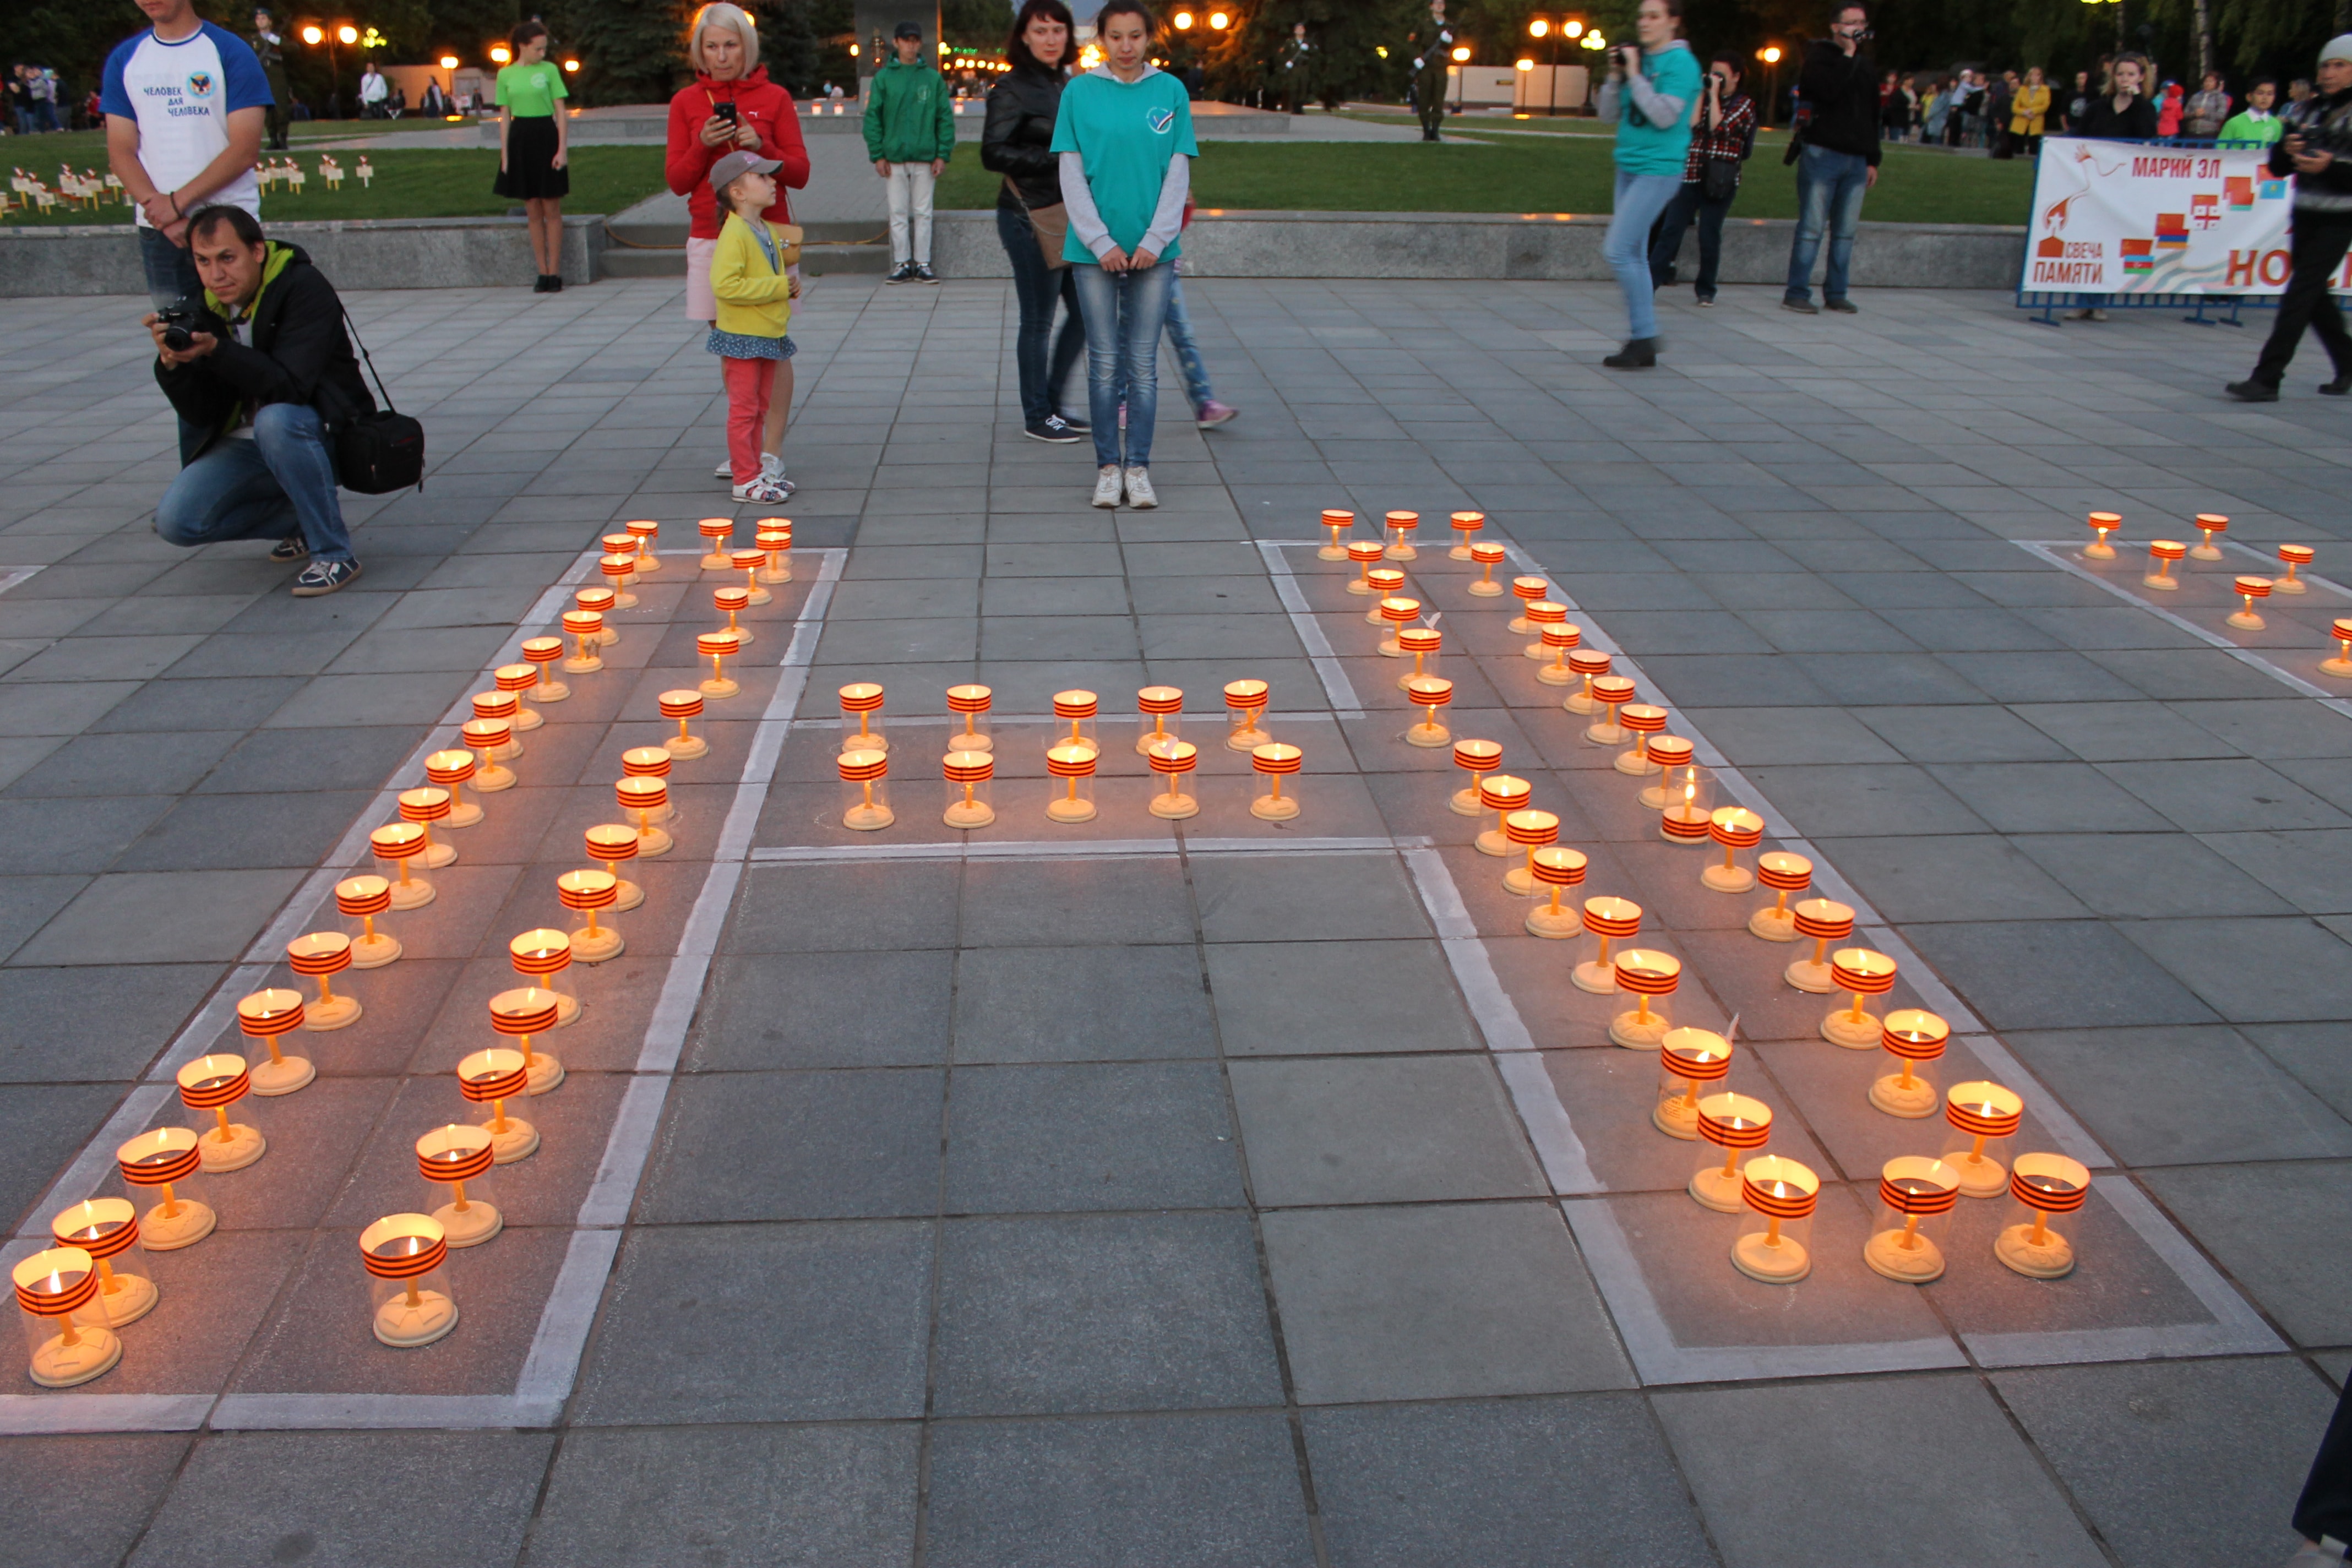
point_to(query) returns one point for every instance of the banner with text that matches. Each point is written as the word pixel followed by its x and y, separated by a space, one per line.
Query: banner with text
pixel 2123 217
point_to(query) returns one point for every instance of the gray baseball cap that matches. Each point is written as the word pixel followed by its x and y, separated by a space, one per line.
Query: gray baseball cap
pixel 735 165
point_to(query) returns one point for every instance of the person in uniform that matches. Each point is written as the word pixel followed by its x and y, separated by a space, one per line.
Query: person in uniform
pixel 1292 86
pixel 1431 50
pixel 270 48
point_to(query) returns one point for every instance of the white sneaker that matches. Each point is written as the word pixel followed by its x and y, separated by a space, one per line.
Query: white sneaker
pixel 1106 486
pixel 724 471
pixel 765 491
pixel 1139 488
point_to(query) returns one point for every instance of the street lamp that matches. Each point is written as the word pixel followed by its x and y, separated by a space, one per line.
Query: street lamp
pixel 500 55
pixel 1771 54
pixel 1219 21
pixel 1184 20
pixel 313 36
pixel 1461 80
pixel 347 34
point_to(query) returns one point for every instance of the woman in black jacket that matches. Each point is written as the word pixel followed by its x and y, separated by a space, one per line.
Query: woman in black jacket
pixel 1017 142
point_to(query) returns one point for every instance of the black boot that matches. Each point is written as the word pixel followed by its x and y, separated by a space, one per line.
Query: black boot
pixel 1640 353
pixel 2251 391
pixel 2339 386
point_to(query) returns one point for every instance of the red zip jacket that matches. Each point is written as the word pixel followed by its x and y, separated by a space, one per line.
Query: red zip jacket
pixel 760 104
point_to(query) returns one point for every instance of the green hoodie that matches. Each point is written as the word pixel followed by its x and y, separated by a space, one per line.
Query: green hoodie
pixel 909 115
pixel 274 260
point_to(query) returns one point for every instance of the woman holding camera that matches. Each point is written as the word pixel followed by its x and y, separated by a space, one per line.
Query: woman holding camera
pixel 732 106
pixel 1720 143
pixel 1649 94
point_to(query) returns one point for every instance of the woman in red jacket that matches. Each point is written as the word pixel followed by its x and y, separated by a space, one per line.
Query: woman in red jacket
pixel 731 105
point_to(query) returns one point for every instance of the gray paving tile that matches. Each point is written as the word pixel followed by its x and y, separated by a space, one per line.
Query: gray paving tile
pixel 2311 871
pixel 1016 1003
pixel 2198 1095
pixel 1960 876
pixel 835 1010
pixel 1054 903
pixel 227 832
pixel 1952 733
pixel 47 1499
pixel 1277 998
pixel 230 703
pixel 1043 1137
pixel 2048 797
pixel 842 1144
pixel 2049 975
pixel 1380 1130
pixel 2149 874
pixel 162 917
pixel 2226 796
pixel 49 1032
pixel 1864 800
pixel 160 763
pixel 1323 898
pixel 844 909
pixel 289 762
pixel 2297 966
pixel 2255 1220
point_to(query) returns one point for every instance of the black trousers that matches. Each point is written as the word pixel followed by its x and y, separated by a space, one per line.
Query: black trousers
pixel 1666 239
pixel 1430 104
pixel 2318 247
pixel 2326 1506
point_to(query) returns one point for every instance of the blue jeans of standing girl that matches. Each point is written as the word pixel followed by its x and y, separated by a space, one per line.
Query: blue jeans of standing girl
pixel 1125 313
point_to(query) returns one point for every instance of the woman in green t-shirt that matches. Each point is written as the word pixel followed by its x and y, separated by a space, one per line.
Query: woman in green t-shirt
pixel 1124 137
pixel 533 150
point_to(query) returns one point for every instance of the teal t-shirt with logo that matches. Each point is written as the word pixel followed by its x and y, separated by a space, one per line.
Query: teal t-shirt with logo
pixel 1646 149
pixel 1126 132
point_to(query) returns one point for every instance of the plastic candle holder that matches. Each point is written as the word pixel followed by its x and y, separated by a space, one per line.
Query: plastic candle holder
pixel 1783 874
pixel 1559 642
pixel 749 562
pixel 2043 1185
pixel 650 763
pixel 1914 1040
pixel 600 602
pixel 2249 589
pixel 1670 752
pixel 359 899
pixel 732 601
pixel 208 1087
pixel 501 706
pixel 1861 973
pixel 1477 758
pixel 1399 527
pixel 543 958
pixel 619 542
pixel 620 572
pixel 486 738
pixel 1397 612
pixel 1555 870
pixel 585 628
pixel 648 534
pixel 1422 645
pixel 1980 1118
pixel 492 1077
pixel 1527 590
pixel 450 1157
pixel 1607 921
pixel 1386 582
pixel 1588 665
pixel 1690 1063
pixel 2294 558
pixel 2341 630
pixel 1776 1220
pixel 968 775
pixel 1689 810
pixel 1162 716
pixel 610 844
pixel 407 1257
pixel 774 538
pixel 970 705
pixel 1731 1126
pixel 540 653
pixel 425 806
pixel 643 801
pixel 519 1014
pixel 1543 614
pixel 395 843
pixel 2161 555
pixel 1825 920
pixel 717 533
pixel 1486 555
pixel 1916 1196
pixel 1650 978
pixel 1363 554
pixel 2210 524
pixel 1071 766
pixel 1430 693
pixel 1336 522
pixel 453 770
pixel 717 648
pixel 2103 523
pixel 167 1166
pixel 1173 761
pixel 1501 794
pixel 864 791
pixel 268 1016
pixel 590 893
pixel 682 705
pixel 1609 693
pixel 1640 720
pixel 1529 831
pixel 1274 763
pixel 107 1229
pixel 516 681
pixel 53 1286
pixel 1246 702
pixel 1736 828
pixel 1073 721
pixel 1465 526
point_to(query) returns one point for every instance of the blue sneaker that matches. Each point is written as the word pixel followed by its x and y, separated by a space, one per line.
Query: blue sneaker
pixel 287 551
pixel 324 578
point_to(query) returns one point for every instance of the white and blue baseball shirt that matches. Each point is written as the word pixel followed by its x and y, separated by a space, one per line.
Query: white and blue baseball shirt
pixel 182 95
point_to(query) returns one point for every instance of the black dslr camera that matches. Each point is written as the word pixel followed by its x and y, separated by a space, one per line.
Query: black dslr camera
pixel 181 317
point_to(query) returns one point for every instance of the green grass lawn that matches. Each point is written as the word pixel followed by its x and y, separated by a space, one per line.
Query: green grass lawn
pixel 1526 173
pixel 409 183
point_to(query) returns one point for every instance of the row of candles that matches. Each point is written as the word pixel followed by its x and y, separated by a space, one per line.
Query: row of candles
pixel 99 1276
pixel 2251 589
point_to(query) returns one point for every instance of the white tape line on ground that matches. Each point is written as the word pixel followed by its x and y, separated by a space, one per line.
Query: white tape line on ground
pixel 1337 686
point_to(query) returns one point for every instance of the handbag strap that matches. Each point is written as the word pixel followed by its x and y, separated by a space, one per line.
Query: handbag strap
pixel 352 327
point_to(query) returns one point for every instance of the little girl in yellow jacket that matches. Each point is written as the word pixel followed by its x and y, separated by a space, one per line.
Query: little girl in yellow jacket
pixel 754 292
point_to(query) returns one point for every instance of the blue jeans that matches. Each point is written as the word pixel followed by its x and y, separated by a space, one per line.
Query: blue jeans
pixel 1197 390
pixel 278 484
pixel 1640 199
pixel 1035 287
pixel 1125 313
pixel 1830 187
pixel 1691 203
pixel 170 270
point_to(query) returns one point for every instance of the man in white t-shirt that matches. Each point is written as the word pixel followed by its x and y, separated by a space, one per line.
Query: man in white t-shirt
pixel 184 104
pixel 374 92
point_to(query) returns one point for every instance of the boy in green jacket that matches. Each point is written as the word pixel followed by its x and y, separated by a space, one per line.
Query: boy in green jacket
pixel 909 135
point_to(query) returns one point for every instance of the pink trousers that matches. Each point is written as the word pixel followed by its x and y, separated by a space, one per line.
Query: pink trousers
pixel 751 383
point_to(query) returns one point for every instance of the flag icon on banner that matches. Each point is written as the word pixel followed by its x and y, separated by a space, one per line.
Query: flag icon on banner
pixel 2240 190
pixel 2273 190
pixel 2205 211
pixel 2172 231
pixel 2137 261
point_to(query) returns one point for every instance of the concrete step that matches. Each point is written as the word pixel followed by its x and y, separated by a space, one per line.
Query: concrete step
pixel 816 261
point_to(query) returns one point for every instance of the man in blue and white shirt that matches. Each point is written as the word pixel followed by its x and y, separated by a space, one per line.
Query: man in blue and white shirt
pixel 184 104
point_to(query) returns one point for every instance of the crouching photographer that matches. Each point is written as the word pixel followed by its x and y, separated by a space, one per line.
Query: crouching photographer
pixel 261 373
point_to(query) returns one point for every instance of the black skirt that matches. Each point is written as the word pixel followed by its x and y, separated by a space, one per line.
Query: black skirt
pixel 530 174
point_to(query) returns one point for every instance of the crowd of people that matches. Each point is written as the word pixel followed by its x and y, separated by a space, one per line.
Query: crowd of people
pixel 2007 115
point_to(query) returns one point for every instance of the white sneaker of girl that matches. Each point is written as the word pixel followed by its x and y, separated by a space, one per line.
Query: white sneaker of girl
pixel 1139 488
pixel 1106 486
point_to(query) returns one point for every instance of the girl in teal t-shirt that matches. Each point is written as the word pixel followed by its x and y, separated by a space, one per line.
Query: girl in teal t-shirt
pixel 1124 135
pixel 1649 94
pixel 533 150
